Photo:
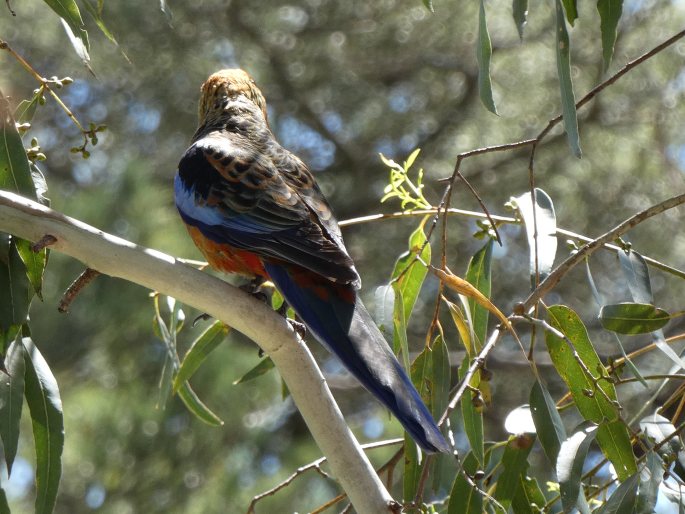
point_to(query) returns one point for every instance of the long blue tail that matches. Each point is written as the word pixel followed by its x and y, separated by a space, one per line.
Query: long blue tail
pixel 339 320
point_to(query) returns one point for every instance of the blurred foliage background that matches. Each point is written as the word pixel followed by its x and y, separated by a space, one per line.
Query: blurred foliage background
pixel 344 81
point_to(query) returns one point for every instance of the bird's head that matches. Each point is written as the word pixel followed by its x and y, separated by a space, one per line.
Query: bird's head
pixel 224 86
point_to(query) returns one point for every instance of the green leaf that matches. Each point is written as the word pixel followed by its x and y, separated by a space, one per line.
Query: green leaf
pixel 400 342
pixel 600 302
pixel 69 12
pixel 568 102
pixel 594 397
pixel 15 289
pixel 4 506
pixel 592 404
pixel 27 108
pixel 571 10
pixel 429 5
pixel 637 275
pixel 198 352
pixel 633 318
pixel 473 419
pixel 409 274
pixel 264 366
pixel 96 14
pixel 569 465
pixel 35 264
pixel 464 499
pixel 544 218
pixel 520 13
pixel 412 468
pixel 529 498
pixel 657 429
pixel 550 428
pixel 11 401
pixel 45 406
pixel 441 376
pixel 15 173
pixel 515 464
pixel 483 56
pixel 614 440
pixel 478 274
pixel 623 498
pixel 651 477
pixel 609 13
pixel 196 407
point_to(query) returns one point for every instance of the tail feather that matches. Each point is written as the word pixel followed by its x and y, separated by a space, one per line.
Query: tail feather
pixel 339 320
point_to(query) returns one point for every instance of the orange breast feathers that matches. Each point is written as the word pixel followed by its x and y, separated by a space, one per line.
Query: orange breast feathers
pixel 226 258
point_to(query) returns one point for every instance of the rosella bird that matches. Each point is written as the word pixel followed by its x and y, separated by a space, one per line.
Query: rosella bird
pixel 253 208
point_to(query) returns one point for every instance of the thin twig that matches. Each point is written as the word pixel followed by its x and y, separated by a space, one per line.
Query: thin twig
pixel 316 465
pixel 562 269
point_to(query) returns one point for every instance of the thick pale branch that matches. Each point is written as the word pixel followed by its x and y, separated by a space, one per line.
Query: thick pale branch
pixel 156 271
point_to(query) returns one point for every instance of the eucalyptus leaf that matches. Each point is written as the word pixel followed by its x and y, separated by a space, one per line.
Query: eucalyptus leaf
pixel 544 239
pixel 483 56
pixel 633 318
pixel 568 102
pixel 11 401
pixel 520 14
pixel 609 13
pixel 44 403
pixel 569 466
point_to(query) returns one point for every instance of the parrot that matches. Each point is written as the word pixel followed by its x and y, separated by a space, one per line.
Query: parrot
pixel 254 209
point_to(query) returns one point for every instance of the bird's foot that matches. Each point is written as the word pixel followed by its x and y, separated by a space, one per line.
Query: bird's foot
pixel 253 288
pixel 202 317
pixel 299 328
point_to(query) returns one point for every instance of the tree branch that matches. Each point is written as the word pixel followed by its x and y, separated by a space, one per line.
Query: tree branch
pixel 154 270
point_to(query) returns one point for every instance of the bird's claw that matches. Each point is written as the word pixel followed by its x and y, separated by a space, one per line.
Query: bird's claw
pixel 299 328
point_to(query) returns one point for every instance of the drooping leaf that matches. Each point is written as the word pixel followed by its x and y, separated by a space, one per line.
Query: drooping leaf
pixel 198 352
pixel 263 367
pixel 600 303
pixel 633 318
pixel 544 240
pixel 614 440
pixel 472 416
pixel 609 14
pixel 637 275
pixel 571 9
pixel 440 379
pixel 515 464
pixel 15 173
pixel 196 407
pixel 27 108
pixel 520 14
pixel 412 468
pixel 15 289
pixel 550 428
pixel 593 405
pixel 34 263
pixel 166 10
pixel 465 499
pixel 429 5
pixel 623 498
pixel 400 341
pixel 4 505
pixel 529 498
pixel 70 14
pixel 651 477
pixel 657 429
pixel 568 101
pixel 595 398
pixel 408 274
pixel 11 401
pixel 569 465
pixel 478 273
pixel 45 406
pixel 483 56
pixel 465 288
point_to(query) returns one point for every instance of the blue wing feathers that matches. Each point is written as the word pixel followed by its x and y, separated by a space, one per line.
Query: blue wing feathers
pixel 348 331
